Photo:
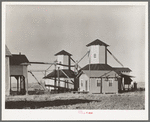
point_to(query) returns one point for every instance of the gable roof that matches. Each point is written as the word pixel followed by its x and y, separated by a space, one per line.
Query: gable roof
pixel 63 52
pixel 69 73
pixel 16 59
pixel 97 42
pixel 97 67
pixel 7 53
pixel 98 70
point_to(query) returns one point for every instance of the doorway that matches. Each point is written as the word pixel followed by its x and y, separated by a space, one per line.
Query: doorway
pixel 86 85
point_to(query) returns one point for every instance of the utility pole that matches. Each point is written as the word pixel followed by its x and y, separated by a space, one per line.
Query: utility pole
pixel 58 79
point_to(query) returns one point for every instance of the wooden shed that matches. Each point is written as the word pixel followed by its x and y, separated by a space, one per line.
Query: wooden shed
pixel 101 78
pixel 20 72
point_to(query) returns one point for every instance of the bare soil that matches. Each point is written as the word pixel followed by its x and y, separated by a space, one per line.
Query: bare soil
pixel 134 100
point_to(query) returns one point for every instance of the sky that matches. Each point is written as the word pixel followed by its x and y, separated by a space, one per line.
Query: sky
pixel 40 31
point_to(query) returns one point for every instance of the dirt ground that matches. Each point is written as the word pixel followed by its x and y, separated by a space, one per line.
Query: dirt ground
pixel 123 101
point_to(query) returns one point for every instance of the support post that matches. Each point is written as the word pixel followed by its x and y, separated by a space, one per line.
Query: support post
pixel 122 83
pixel 89 68
pixel 101 85
pixel 55 78
pixel 20 83
pixel 26 80
pixel 10 85
pixel 105 54
pixel 58 79
pixel 67 84
pixel 69 62
pixel 17 84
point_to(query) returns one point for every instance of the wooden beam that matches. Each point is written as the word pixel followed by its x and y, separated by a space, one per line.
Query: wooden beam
pixel 56 86
pixel 105 55
pixel 55 78
pixel 18 85
pixel 101 85
pixel 63 81
pixel 58 79
pixel 10 85
pixel 26 79
pixel 69 62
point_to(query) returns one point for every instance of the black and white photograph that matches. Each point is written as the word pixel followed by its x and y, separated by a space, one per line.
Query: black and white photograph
pixel 75 60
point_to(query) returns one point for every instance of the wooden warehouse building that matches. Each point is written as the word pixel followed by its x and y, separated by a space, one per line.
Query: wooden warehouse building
pixel 98 76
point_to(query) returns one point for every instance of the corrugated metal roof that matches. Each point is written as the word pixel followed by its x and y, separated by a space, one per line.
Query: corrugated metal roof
pixel 97 42
pixel 63 52
pixel 7 53
pixel 16 59
pixel 97 67
pixel 97 70
pixel 122 69
pixel 69 73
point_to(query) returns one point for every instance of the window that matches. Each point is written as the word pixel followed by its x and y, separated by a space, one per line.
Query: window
pixel 94 55
pixel 98 82
pixel 110 83
pixel 81 83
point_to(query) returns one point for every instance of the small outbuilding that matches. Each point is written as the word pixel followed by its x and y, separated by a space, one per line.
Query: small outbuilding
pixel 101 78
pixel 18 69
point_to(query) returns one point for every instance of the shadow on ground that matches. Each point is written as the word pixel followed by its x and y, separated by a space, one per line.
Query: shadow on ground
pixel 42 104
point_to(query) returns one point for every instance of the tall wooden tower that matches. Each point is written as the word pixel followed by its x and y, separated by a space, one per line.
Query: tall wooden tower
pixel 98 52
pixel 63 57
